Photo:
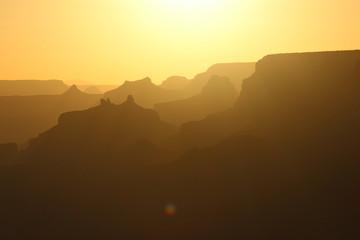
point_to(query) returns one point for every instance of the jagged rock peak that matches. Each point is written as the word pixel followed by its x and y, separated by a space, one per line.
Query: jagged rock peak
pixel 73 90
pixel 105 102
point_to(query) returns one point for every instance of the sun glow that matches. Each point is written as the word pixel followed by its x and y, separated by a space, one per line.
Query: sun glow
pixel 192 5
pixel 112 41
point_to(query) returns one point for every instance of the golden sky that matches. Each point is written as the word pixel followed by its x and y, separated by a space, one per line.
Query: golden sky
pixel 110 41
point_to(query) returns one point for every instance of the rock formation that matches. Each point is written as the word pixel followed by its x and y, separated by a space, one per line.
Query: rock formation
pixel 146 93
pixel 105 130
pixel 218 95
pixel 296 92
pixel 175 82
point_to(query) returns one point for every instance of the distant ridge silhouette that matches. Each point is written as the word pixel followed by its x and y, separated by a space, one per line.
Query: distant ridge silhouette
pixel 31 87
pixel 175 82
pixel 104 130
pixel 96 88
pixel 237 72
pixel 24 117
pixel 73 91
pixel 278 89
pixel 92 90
pixel 218 95
pixel 145 92
pixel 176 87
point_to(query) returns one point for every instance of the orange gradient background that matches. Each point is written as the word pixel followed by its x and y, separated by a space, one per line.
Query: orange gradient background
pixel 110 41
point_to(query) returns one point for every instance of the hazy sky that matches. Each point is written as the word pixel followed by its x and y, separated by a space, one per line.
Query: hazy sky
pixel 109 41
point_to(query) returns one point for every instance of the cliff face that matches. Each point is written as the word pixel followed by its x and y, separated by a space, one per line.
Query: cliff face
pixel 312 90
pixel 298 93
pixel 236 72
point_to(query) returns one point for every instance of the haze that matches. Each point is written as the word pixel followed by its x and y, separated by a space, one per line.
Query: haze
pixel 179 119
pixel 108 42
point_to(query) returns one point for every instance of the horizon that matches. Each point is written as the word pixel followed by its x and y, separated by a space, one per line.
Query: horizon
pixel 82 82
pixel 115 41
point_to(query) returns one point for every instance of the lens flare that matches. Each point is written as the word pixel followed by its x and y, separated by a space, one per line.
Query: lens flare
pixel 170 210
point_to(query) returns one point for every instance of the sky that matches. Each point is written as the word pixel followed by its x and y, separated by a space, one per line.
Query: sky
pixel 110 41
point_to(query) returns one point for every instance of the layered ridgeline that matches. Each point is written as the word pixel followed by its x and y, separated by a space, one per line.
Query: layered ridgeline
pixel 104 132
pixel 90 160
pixel 283 165
pixel 144 91
pixel 24 117
pixel 217 95
pixel 298 93
pixel 31 87
pixel 290 168
pixel 175 88
pixel 236 72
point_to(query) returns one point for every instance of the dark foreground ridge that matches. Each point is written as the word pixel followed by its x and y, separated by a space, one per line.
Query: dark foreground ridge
pixel 283 163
